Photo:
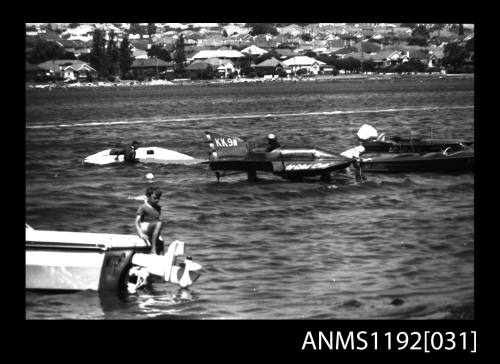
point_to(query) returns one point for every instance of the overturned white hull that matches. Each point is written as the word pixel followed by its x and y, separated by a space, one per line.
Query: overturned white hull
pixel 69 261
pixel 144 155
pixel 60 260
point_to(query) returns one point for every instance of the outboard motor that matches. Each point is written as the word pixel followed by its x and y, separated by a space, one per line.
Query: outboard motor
pixel 174 267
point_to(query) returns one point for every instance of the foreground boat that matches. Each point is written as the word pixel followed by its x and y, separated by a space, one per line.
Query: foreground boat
pixel 69 261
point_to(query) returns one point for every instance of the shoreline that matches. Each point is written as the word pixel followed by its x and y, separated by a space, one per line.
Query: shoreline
pixel 189 82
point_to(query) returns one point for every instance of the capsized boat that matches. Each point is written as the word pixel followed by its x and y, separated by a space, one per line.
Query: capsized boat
pixel 373 142
pixel 142 154
pixel 71 261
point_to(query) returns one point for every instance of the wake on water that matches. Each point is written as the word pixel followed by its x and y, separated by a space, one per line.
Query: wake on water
pixel 245 116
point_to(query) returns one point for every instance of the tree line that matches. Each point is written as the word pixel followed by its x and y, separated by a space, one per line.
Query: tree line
pixel 109 58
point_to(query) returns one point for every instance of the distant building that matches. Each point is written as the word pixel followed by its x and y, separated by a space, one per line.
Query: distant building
pixel 68 69
pixel 149 67
pixel 79 72
pixel 285 53
pixel 222 54
pixel 200 70
pixel 223 67
pixel 232 29
pixel 297 63
pixel 254 50
pixel 270 66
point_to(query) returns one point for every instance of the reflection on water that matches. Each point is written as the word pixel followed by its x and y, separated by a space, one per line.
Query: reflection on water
pixel 149 302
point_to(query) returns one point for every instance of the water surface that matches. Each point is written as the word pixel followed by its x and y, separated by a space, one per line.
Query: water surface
pixel 396 246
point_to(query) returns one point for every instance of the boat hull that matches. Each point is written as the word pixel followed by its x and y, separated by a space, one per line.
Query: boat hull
pixel 418 146
pixel 76 270
pixel 436 162
pixel 143 155
pixel 71 261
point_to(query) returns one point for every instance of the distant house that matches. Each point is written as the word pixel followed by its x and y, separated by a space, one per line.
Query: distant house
pixel 357 55
pixel 382 58
pixel 210 43
pixel 311 65
pixel 139 53
pixel 270 66
pixel 59 69
pixel 200 70
pixel 236 41
pixel 377 36
pixel 79 72
pixel 222 54
pixel 358 35
pixel 223 67
pixel 285 53
pixel 254 50
pixel 423 56
pixel 149 67
pixel 68 45
pixel 389 57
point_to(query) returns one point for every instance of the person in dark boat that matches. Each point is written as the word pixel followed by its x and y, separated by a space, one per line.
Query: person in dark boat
pixel 147 220
pixel 130 152
pixel 272 143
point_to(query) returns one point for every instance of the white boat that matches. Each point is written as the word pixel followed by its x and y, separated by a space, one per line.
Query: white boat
pixel 64 260
pixel 144 155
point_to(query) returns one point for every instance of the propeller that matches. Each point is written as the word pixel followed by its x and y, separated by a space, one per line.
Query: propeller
pixel 189 266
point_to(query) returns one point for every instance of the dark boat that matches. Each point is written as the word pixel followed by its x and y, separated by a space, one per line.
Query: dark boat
pixel 457 161
pixel 232 154
pixel 375 154
pixel 397 145
pixel 375 143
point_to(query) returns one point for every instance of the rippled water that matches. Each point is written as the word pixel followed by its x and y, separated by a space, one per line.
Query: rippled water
pixel 397 246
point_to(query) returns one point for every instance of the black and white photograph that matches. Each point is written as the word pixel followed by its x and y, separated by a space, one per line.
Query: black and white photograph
pixel 250 171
